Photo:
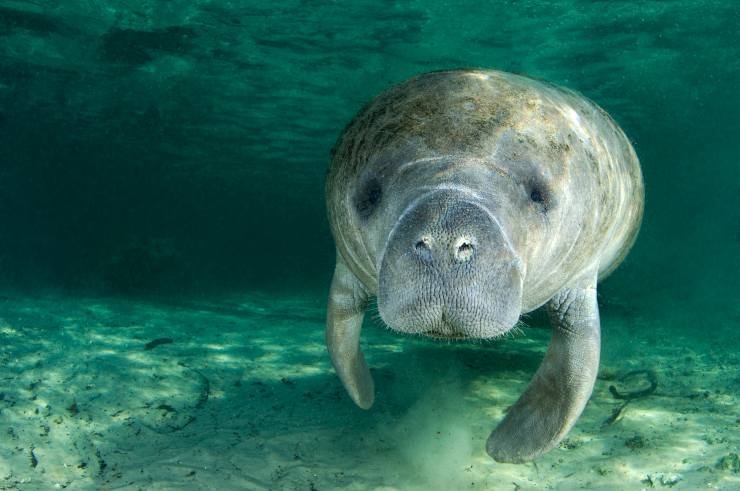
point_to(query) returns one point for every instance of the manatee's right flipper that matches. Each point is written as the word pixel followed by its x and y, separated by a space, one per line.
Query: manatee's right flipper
pixel 348 300
pixel 555 398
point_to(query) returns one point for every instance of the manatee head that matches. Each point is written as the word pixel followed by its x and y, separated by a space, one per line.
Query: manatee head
pixel 450 236
pixel 454 195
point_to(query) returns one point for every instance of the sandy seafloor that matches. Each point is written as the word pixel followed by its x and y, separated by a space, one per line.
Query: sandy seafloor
pixel 245 398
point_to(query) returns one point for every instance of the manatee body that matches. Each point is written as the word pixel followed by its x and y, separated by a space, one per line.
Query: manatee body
pixel 462 199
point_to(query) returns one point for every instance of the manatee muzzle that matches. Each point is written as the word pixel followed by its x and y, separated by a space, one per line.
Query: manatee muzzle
pixel 449 270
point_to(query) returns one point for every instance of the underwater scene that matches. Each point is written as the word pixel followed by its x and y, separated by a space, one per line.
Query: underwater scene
pixel 203 201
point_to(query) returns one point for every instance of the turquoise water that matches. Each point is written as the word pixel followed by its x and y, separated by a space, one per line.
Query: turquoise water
pixel 161 176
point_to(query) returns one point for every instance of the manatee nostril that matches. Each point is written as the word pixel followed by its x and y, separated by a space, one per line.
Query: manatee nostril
pixel 464 249
pixel 423 247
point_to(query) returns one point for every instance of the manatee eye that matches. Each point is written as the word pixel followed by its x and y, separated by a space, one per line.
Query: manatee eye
pixel 374 196
pixel 536 196
pixel 368 198
pixel 540 195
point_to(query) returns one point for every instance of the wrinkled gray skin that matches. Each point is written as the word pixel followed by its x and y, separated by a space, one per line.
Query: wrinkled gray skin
pixel 463 199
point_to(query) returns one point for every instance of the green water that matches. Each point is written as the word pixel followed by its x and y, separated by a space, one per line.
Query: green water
pixel 174 152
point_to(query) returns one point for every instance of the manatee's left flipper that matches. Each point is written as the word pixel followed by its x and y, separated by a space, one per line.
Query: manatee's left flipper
pixel 555 398
pixel 348 300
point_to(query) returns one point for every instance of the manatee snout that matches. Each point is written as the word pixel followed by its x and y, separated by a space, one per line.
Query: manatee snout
pixel 449 270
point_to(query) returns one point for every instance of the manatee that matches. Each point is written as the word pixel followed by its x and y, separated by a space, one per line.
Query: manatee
pixel 461 200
